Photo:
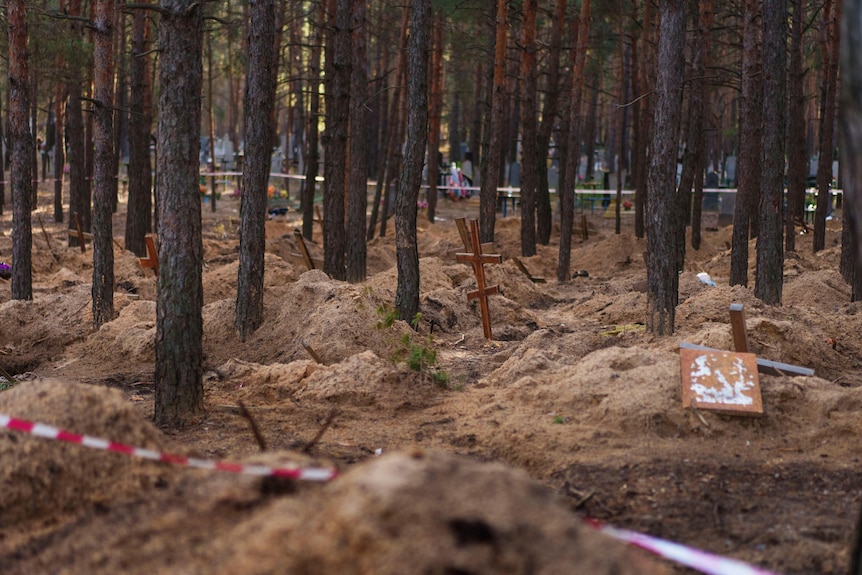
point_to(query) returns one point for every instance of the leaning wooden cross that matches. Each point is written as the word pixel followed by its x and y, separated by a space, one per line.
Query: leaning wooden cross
pixel 482 291
pixel 310 263
pixel 152 259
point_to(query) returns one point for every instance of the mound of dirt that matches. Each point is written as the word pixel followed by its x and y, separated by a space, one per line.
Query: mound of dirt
pixel 436 513
pixel 41 477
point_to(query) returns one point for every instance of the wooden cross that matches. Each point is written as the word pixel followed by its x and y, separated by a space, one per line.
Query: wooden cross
pixel 152 259
pixel 465 236
pixel 478 259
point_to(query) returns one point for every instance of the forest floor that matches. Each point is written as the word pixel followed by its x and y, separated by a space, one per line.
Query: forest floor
pixel 573 411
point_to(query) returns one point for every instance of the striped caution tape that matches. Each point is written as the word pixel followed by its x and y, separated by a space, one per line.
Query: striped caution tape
pixel 688 556
pixel 46 431
pixel 694 558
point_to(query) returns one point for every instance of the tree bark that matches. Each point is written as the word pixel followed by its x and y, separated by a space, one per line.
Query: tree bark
pixel 850 123
pixel 103 173
pixel 770 239
pixel 705 18
pixel 311 152
pixel 797 160
pixel 573 155
pixel 549 117
pixel 407 252
pixel 59 146
pixel 492 162
pixel 358 181
pixel 435 107
pixel 79 188
pixel 259 107
pixel 750 141
pixel 692 163
pixel 830 42
pixel 121 117
pixel 21 143
pixel 140 203
pixel 646 74
pixel 179 322
pixel 337 123
pixel 662 276
pixel 529 130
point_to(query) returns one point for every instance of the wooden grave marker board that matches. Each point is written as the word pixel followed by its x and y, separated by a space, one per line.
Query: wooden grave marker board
pixel 721 381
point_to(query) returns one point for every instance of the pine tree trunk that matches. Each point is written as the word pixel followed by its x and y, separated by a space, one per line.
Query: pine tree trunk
pixel 103 180
pixel 692 163
pixel 179 322
pixel 750 141
pixel 662 276
pixel 339 60
pixel 705 19
pixel 850 123
pixel 59 146
pixel 530 160
pixel 493 160
pixel 770 239
pixel 79 188
pixel 311 152
pixel 573 156
pixel 407 252
pixel 646 75
pixel 435 106
pixel 21 143
pixel 140 204
pixel 544 222
pixel 358 181
pixel 2 166
pixel 259 108
pixel 797 161
pixel 121 118
pixel 830 42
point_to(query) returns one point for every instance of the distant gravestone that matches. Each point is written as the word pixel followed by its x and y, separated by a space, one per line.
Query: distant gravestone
pixel 721 381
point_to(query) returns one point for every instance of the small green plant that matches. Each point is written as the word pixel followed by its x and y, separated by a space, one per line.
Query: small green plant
pixel 421 358
pixel 559 420
pixel 387 314
pixel 6 383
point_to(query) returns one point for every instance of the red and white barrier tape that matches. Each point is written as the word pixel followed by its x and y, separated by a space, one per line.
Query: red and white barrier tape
pixel 41 430
pixel 688 556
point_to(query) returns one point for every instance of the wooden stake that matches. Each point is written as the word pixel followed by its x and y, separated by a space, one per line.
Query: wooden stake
pixel 737 323
pixel 80 234
pixel 482 291
pixel 152 259
pixel 261 442
pixel 303 249
pixel 316 439
pixel 47 239
pixel 520 265
pixel 311 352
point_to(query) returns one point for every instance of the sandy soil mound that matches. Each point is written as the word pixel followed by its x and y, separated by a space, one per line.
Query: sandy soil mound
pixel 42 477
